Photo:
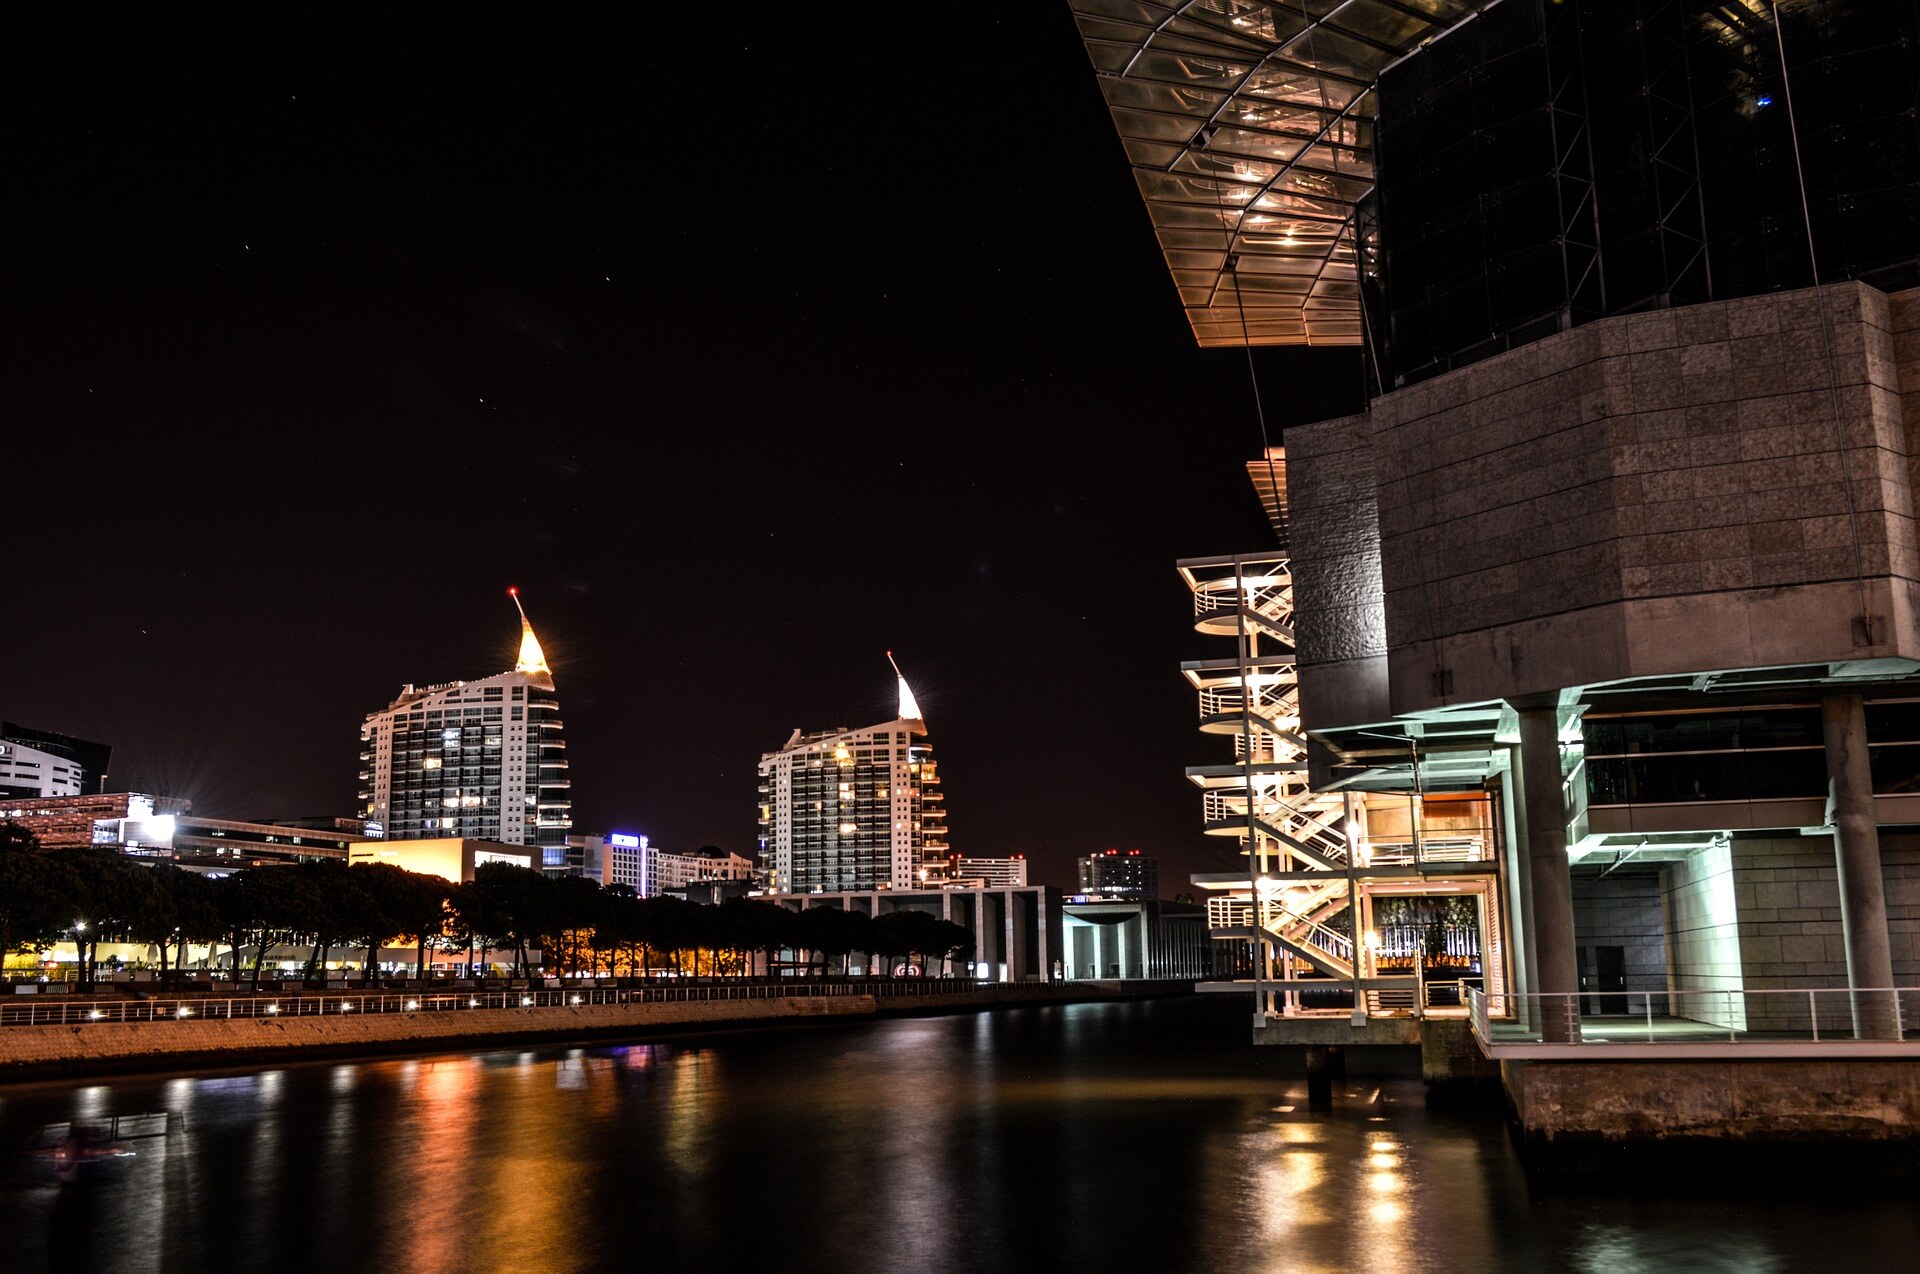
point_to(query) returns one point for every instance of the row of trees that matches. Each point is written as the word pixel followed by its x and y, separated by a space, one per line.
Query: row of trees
pixel 93 896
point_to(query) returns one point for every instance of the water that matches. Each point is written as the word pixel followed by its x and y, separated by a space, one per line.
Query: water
pixel 1119 1137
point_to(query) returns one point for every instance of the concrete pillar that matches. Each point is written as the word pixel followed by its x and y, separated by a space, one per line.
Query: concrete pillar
pixel 1045 925
pixel 1321 1061
pixel 1019 940
pixel 1106 944
pixel 1856 847
pixel 1550 884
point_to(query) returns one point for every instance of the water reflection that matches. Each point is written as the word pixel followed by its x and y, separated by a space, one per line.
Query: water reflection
pixel 1094 1137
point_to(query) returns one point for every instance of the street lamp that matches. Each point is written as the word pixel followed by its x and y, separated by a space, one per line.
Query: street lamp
pixel 80 952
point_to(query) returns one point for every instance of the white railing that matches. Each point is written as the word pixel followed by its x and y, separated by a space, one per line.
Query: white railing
pixel 1439 849
pixel 1704 1022
pixel 1275 700
pixel 1273 598
pixel 1310 825
pixel 85 1012
pixel 1309 932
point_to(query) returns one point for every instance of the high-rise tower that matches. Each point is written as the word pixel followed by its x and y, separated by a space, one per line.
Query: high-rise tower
pixel 482 759
pixel 854 809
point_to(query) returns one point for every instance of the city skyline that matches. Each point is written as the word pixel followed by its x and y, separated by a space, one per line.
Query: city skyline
pixel 392 332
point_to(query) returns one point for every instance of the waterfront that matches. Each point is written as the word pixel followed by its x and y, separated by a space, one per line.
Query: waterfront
pixel 1139 1136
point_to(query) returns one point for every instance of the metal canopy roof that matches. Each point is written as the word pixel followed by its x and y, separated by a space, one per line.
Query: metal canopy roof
pixel 1250 128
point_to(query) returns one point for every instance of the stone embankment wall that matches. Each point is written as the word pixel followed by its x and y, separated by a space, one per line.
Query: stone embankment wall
pixel 28 1052
pixel 1565 1111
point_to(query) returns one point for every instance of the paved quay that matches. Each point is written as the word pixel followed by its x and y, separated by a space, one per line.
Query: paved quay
pixel 177 1032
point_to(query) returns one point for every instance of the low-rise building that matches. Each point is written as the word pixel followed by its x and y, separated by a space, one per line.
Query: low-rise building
pixel 1016 930
pixel 80 822
pixel 1110 938
pixel 997 873
pixel 676 870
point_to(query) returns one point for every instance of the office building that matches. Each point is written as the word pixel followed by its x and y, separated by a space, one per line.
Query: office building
pixel 1588 662
pixel 40 763
pixel 629 860
pixel 618 858
pixel 854 809
pixel 1120 874
pixel 995 873
pixel 32 773
pixel 473 760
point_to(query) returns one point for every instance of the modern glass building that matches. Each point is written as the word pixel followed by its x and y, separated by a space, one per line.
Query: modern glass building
pixel 854 809
pixel 480 760
pixel 1621 551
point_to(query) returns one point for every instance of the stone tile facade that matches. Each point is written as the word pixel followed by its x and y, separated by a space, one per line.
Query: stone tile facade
pixel 1787 893
pixel 1333 531
pixel 1625 910
pixel 1673 492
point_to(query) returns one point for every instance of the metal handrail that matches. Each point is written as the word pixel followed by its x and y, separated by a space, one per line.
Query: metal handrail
pixel 1303 824
pixel 82 1012
pixel 1274 600
pixel 1328 939
pixel 1444 849
pixel 1757 1017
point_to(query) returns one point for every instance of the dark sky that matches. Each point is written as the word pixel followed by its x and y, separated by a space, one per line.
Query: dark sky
pixel 747 350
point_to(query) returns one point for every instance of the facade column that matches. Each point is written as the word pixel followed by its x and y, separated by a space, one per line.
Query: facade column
pixel 1550 883
pixel 1519 888
pixel 1856 847
pixel 1017 939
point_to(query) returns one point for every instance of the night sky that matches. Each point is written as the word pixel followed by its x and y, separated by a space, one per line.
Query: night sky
pixel 747 350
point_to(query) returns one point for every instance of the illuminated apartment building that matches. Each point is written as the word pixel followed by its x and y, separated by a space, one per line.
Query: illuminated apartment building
pixel 480 760
pixel 1120 875
pixel 853 809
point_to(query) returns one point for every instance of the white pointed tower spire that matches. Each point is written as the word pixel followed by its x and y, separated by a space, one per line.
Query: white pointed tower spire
pixel 909 707
pixel 533 660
